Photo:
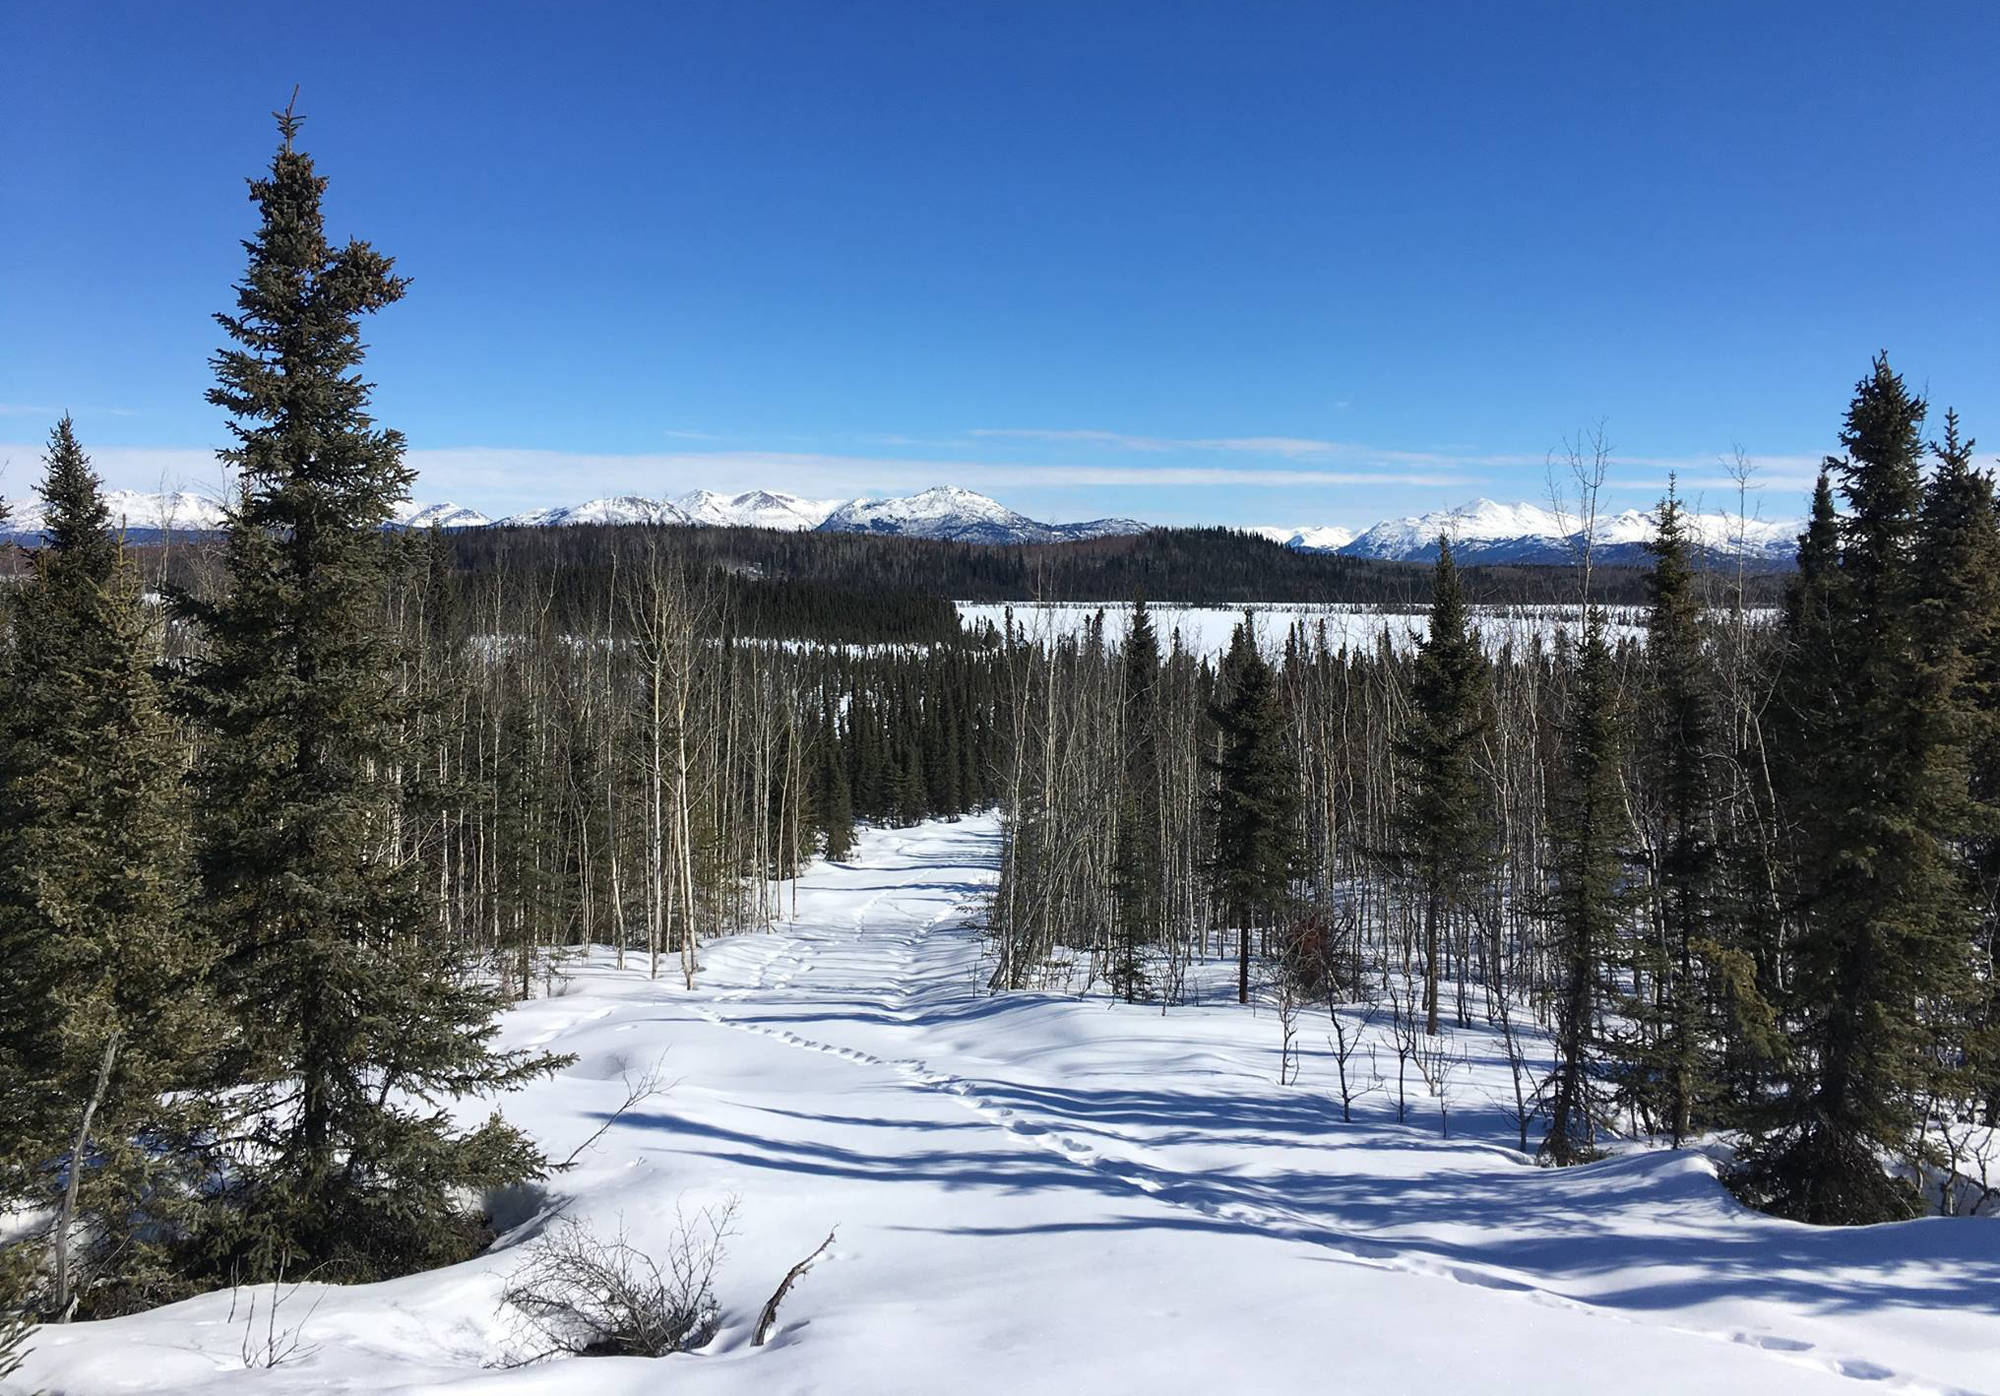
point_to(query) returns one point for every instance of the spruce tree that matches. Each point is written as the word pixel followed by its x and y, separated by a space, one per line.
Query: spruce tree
pixel 1443 830
pixel 1587 836
pixel 1136 876
pixel 833 801
pixel 1958 566
pixel 1256 797
pixel 103 1013
pixel 1882 929
pixel 353 1022
pixel 1670 1071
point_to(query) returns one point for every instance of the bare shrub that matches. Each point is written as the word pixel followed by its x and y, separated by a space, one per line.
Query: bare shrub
pixel 1344 1045
pixel 583 1295
pixel 1437 1063
pixel 274 1346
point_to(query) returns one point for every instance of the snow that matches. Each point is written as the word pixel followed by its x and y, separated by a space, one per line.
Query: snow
pixel 942 511
pixel 179 510
pixel 755 509
pixel 1482 531
pixel 1486 530
pixel 1205 630
pixel 621 509
pixel 1324 539
pixel 411 514
pixel 956 514
pixel 1053 1193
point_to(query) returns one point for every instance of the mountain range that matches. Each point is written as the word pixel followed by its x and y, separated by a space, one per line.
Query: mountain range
pixel 1488 532
pixel 1481 532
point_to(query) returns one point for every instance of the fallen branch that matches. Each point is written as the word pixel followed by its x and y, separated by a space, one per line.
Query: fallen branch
pixel 638 1090
pixel 770 1315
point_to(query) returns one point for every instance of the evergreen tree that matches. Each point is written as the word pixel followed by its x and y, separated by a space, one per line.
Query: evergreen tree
pixel 1670 1069
pixel 517 793
pixel 910 794
pixel 1256 797
pixel 1443 830
pixel 351 1017
pixel 1882 934
pixel 1137 874
pixel 833 801
pixel 1800 716
pixel 1958 566
pixel 103 1016
pixel 1587 831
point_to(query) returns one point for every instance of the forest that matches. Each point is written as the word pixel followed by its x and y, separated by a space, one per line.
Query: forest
pixel 287 820
pixel 1741 871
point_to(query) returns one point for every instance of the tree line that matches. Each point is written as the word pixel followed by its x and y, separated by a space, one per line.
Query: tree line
pixel 1741 869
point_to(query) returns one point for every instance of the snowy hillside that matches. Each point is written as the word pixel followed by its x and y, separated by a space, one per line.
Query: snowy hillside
pixel 414 515
pixel 1487 531
pixel 959 515
pixel 1324 538
pixel 182 511
pixel 1047 1193
pixel 755 509
pixel 621 509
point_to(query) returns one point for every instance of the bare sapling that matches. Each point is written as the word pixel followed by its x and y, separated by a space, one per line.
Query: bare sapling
pixel 768 1318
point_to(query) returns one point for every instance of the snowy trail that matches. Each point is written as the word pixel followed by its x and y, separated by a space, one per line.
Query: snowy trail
pixel 1040 1193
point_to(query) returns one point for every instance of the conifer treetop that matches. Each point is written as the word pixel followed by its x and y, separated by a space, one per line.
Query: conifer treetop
pixel 310 456
pixel 78 522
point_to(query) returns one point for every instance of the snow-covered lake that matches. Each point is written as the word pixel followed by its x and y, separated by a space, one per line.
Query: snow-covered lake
pixel 1046 1193
pixel 1206 629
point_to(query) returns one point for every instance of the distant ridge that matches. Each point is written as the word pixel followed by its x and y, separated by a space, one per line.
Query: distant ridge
pixel 1482 531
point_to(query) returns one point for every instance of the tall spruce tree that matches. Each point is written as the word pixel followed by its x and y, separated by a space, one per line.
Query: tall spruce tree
pixel 103 1013
pixel 833 802
pixel 1669 1070
pixel 1882 928
pixel 353 1021
pixel 1256 797
pixel 1587 836
pixel 1137 873
pixel 1443 830
pixel 1958 566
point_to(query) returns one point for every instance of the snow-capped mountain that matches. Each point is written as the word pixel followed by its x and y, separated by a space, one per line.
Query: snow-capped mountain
pixel 1486 531
pixel 132 511
pixel 755 509
pixel 943 511
pixel 414 515
pixel 946 511
pixel 959 515
pixel 1482 531
pixel 1321 538
pixel 618 509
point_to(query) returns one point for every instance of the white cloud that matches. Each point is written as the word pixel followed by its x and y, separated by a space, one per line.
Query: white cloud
pixel 507 476
pixel 1285 447
pixel 121 467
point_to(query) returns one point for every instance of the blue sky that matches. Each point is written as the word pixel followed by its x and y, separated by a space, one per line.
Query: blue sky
pixel 1233 262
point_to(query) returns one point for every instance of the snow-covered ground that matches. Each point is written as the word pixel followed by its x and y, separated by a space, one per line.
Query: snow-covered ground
pixel 1206 629
pixel 1039 1193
